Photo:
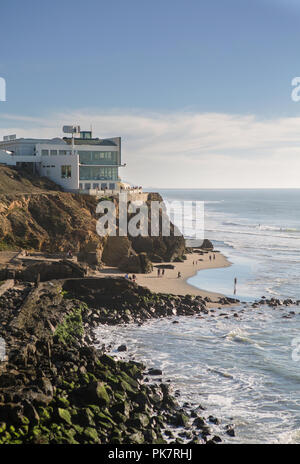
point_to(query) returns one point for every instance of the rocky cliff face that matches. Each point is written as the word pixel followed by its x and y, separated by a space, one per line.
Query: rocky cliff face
pixel 54 221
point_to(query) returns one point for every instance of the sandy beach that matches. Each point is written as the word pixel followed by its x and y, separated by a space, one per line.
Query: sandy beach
pixel 170 283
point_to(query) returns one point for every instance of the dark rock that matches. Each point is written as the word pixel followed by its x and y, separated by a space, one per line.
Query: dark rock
pixel 199 422
pixel 122 348
pixel 154 372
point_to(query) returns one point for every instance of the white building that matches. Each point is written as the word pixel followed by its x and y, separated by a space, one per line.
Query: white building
pixel 88 164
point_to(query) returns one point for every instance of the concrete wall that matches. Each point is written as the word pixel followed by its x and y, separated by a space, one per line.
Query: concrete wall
pixel 50 166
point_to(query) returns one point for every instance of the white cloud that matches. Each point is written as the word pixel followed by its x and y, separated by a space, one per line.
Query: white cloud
pixel 185 149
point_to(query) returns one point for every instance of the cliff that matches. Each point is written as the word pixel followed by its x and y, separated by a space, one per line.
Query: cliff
pixel 36 215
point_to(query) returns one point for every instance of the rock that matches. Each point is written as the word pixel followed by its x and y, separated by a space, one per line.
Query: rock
pixel 138 421
pixel 134 263
pixel 51 270
pixel 91 435
pixel 154 371
pixel 11 412
pixel 230 430
pixel 64 415
pixel 46 386
pixel 122 348
pixel 207 245
pixel 213 420
pixel 136 438
pixel 31 413
pixel 199 422
pixel 215 439
pixel 180 420
pixel 98 393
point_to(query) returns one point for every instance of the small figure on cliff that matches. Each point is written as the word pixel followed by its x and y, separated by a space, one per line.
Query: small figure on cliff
pixel 134 278
pixel 70 254
pixel 126 276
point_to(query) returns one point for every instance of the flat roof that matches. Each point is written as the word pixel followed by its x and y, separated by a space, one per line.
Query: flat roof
pixel 97 141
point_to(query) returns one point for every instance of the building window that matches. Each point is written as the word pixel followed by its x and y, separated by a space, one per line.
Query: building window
pixel 80 186
pixel 98 173
pixel 111 186
pixel 53 152
pixel 98 157
pixel 95 186
pixel 87 186
pixel 62 152
pixel 45 152
pixel 66 172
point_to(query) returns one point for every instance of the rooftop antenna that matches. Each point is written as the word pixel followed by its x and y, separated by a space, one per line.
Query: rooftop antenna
pixel 71 130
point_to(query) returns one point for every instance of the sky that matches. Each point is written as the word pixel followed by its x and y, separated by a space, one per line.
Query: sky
pixel 199 90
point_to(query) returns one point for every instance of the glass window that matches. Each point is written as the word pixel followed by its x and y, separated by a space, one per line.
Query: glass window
pixel 66 172
pixel 98 173
pixel 45 152
pixel 53 152
pixel 62 152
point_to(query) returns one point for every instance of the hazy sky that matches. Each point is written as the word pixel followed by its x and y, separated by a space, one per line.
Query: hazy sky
pixel 199 91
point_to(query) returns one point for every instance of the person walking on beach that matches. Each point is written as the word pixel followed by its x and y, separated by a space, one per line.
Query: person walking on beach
pixel 235 282
pixel 209 257
pixel 158 272
pixel 163 272
pixel 178 275
pixel 214 256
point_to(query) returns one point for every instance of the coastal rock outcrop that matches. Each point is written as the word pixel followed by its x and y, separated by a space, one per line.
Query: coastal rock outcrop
pixel 57 388
pixel 36 215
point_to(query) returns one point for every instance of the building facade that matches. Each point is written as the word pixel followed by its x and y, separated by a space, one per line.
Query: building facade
pixel 81 163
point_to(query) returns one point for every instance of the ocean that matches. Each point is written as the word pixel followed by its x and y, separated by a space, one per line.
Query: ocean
pixel 244 370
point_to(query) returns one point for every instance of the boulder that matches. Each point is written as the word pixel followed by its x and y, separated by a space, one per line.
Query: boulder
pixel 50 270
pixel 139 264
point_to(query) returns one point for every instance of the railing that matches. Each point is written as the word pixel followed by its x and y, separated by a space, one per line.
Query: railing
pixel 108 192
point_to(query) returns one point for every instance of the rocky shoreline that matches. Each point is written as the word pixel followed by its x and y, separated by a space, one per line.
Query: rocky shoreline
pixel 55 387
